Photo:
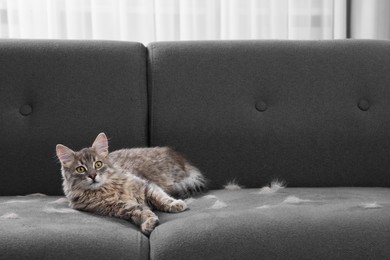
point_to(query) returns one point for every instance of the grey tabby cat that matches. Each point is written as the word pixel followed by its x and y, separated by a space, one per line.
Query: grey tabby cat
pixel 128 183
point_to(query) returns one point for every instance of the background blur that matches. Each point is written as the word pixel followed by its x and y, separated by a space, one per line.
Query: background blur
pixel 160 20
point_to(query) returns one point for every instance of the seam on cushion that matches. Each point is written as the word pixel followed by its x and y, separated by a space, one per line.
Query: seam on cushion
pixel 141 248
pixel 139 83
pixel 150 91
pixel 143 80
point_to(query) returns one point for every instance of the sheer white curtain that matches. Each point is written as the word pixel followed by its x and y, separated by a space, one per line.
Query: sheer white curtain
pixel 370 19
pixel 154 20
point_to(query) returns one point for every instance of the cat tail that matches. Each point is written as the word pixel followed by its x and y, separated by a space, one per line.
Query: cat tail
pixel 191 185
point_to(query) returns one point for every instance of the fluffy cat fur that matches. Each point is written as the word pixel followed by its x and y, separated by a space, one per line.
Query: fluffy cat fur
pixel 128 183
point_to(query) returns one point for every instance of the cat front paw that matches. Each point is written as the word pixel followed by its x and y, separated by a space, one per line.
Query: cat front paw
pixel 149 224
pixel 177 206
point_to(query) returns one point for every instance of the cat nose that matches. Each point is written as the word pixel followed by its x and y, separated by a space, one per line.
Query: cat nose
pixel 92 176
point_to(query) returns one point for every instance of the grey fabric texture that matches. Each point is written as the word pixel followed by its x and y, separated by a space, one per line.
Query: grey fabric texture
pixel 65 92
pixel 314 113
pixel 294 223
pixel 44 227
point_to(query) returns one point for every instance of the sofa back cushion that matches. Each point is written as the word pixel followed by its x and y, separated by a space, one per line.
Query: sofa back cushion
pixel 313 113
pixel 65 92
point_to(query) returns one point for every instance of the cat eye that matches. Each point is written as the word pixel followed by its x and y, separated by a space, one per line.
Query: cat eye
pixel 80 169
pixel 98 165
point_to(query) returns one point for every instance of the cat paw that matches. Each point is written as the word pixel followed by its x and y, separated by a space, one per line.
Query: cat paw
pixel 149 224
pixel 177 206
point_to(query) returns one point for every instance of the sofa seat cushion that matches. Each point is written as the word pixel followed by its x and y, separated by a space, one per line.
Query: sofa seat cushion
pixel 294 223
pixel 44 227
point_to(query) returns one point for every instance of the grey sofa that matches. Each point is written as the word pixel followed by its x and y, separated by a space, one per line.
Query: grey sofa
pixel 315 114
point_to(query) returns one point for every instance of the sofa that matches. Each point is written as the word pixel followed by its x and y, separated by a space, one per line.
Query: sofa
pixel 313 114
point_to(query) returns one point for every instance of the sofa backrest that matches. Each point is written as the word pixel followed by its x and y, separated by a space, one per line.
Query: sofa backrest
pixel 65 92
pixel 313 113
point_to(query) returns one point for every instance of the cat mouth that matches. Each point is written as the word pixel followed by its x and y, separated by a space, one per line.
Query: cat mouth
pixel 95 185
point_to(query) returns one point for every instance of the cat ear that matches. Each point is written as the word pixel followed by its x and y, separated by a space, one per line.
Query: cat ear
pixel 101 145
pixel 64 154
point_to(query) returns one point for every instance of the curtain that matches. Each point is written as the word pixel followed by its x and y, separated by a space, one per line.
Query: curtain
pixel 160 20
pixel 370 19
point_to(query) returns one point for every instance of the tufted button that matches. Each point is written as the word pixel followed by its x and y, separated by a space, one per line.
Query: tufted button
pixel 261 106
pixel 364 105
pixel 25 110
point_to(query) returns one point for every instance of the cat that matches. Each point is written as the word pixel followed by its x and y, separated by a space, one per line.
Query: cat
pixel 128 183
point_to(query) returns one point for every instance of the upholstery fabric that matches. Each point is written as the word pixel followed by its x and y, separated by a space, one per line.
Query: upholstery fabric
pixel 314 113
pixel 65 92
pixel 44 227
pixel 294 223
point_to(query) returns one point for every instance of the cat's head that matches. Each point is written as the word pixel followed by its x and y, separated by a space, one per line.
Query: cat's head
pixel 86 169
